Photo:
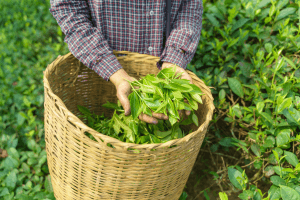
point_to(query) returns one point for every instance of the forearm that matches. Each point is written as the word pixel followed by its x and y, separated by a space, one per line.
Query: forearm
pixel 85 41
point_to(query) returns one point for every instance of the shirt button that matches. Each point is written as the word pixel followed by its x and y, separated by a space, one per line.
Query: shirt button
pixel 151 12
pixel 150 48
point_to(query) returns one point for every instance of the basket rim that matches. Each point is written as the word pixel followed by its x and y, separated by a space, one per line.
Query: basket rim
pixel 115 142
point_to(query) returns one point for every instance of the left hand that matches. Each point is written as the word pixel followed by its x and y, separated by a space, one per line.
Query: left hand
pixel 185 75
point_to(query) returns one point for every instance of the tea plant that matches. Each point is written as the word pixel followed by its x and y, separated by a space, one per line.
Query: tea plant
pixel 30 39
pixel 248 52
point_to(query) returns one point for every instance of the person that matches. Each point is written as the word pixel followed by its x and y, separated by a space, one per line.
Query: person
pixel 93 28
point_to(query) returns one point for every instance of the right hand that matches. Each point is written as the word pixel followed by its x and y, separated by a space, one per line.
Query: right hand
pixel 119 79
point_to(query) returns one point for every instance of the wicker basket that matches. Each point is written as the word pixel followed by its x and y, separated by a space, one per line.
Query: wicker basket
pixel 81 168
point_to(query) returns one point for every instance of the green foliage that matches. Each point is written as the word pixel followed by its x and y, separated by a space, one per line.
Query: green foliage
pixel 150 94
pixel 30 39
pixel 248 52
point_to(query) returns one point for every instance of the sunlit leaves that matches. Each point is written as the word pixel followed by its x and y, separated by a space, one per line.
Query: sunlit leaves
pixel 159 94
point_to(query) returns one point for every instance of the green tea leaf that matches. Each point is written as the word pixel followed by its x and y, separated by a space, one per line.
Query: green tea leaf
pixel 4 192
pixel 260 106
pixel 239 24
pixel 222 94
pixel 285 104
pixel 269 47
pixel 166 73
pixel 166 139
pixel 177 95
pixel 11 180
pixel 291 158
pixel 111 105
pixel 181 81
pixel 171 109
pixel 283 137
pixel 153 105
pixel 154 139
pixel 146 110
pixel 236 87
pixel 256 150
pixel 233 174
pixel 285 12
pixel 267 117
pixel 177 87
pixel 274 192
pixel 178 133
pixel 159 92
pixel 192 103
pixel 288 193
pixel 172 120
pixel 84 110
pixel 213 20
pixel 179 105
pixel 247 194
pixel 223 196
pixel 195 119
pixel 13 153
pixel 145 139
pixel 48 185
pixel 276 180
pixel 133 126
pixel 148 89
pixel 290 62
pixel 162 134
pixel 135 105
pixel 195 88
pixel 196 97
pixel 162 107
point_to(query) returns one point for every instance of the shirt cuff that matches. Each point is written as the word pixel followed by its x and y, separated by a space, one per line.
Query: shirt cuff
pixel 107 66
pixel 172 55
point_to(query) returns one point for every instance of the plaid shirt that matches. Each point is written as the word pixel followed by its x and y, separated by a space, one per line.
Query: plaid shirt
pixel 93 28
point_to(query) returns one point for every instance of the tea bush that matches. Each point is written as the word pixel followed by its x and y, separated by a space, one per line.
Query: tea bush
pixel 30 39
pixel 248 52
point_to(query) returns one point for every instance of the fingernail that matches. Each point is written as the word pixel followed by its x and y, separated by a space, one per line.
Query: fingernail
pixel 166 117
pixel 154 122
pixel 188 112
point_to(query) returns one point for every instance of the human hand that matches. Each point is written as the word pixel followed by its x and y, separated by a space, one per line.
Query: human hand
pixel 184 75
pixel 120 80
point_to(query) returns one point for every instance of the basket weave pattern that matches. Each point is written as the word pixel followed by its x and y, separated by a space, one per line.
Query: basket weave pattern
pixel 84 169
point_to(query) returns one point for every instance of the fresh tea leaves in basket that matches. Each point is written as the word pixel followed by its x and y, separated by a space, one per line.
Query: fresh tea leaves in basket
pixel 164 93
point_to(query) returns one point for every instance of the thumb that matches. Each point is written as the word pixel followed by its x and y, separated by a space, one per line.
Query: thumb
pixel 124 102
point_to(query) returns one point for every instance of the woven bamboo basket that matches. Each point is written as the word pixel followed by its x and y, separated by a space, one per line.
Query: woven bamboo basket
pixel 81 168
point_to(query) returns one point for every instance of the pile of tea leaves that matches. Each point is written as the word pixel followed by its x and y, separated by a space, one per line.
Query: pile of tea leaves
pixel 164 93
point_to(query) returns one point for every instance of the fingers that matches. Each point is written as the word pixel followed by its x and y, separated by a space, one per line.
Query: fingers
pixel 147 119
pixel 160 116
pixel 153 119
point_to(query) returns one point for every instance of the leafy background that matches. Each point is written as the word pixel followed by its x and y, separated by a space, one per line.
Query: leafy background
pixel 248 53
